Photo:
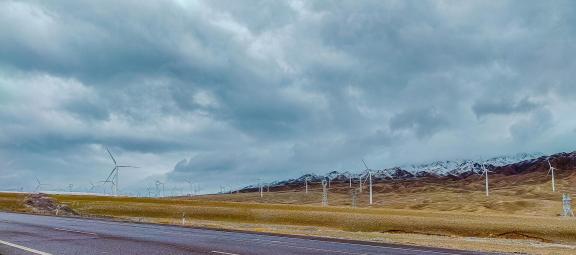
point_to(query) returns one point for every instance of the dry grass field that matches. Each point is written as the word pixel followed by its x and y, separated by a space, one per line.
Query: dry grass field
pixel 521 214
pixel 12 202
pixel 526 195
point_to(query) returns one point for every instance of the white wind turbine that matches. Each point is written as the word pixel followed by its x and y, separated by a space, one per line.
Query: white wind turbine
pixel 92 187
pixel 38 185
pixel 191 184
pixel 149 191
pixel 157 184
pixel 369 176
pixel 485 172
pixel 113 177
pixel 551 172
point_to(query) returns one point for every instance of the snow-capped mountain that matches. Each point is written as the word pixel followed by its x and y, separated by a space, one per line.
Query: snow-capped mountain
pixel 457 167
pixel 454 168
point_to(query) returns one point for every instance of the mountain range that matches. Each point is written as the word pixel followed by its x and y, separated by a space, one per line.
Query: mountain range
pixel 450 169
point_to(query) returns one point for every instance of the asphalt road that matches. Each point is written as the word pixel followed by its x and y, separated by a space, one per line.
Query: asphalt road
pixel 45 235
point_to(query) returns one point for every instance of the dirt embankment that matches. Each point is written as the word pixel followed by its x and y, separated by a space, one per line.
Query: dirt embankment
pixel 42 204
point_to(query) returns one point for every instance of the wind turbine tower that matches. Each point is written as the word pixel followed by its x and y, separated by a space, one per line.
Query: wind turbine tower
pixel 350 177
pixel 260 186
pixel 324 193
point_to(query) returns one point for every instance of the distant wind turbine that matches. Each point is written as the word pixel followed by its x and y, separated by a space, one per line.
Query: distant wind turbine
pixel 189 181
pixel 158 184
pixel 113 177
pixel 92 187
pixel 38 185
pixel 369 176
pixel 485 172
pixel 551 172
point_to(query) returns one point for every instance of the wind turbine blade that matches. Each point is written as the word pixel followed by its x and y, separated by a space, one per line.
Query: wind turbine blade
pixel 364 164
pixel 365 179
pixel 112 157
pixel 110 175
pixel 129 166
pixel 549 164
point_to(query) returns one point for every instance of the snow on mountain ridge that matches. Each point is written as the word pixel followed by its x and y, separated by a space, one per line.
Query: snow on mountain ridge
pixel 458 166
pixel 439 168
pixel 448 167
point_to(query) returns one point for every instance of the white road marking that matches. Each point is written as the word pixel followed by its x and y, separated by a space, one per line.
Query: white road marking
pixel 24 248
pixel 75 231
pixel 225 253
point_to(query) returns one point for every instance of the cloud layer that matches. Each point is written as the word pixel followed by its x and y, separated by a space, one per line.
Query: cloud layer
pixel 225 92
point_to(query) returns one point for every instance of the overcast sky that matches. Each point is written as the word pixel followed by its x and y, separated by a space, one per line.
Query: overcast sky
pixel 225 92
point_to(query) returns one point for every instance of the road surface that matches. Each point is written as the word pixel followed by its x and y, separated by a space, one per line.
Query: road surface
pixel 45 235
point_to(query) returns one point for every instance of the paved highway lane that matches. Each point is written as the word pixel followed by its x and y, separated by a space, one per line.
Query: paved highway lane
pixel 45 235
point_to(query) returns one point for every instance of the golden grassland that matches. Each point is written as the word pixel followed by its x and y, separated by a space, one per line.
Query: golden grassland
pixel 12 202
pixel 520 215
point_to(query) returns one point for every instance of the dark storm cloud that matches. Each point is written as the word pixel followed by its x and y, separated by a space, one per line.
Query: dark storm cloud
pixel 271 88
pixel 423 122
pixel 536 124
pixel 503 106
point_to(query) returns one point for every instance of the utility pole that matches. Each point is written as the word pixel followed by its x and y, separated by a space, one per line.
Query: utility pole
pixel 567 205
pixel 324 193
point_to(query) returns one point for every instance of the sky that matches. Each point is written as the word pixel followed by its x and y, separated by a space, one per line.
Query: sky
pixel 226 92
